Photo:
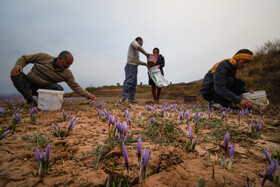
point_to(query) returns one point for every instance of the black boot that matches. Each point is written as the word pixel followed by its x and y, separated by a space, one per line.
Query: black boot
pixel 22 84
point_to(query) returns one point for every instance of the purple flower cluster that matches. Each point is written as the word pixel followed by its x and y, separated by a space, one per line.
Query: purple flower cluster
pixel 148 107
pixel 226 141
pixel 270 170
pixel 43 160
pixel 64 115
pixel 16 120
pixel 145 159
pixel 33 114
pixel 121 130
pixel 105 114
pixel 72 124
pixel 2 111
pixel 57 130
pixel 126 113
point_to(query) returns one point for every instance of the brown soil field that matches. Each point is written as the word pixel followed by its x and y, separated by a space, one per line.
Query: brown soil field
pixel 86 155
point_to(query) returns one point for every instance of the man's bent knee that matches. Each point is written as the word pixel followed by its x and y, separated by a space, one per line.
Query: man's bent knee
pixel 18 78
pixel 53 87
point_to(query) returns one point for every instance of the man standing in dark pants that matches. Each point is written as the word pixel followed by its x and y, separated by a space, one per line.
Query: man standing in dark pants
pixel 131 69
pixel 45 74
pixel 220 85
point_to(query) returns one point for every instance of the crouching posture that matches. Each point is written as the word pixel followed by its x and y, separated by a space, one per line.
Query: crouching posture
pixel 220 84
pixel 45 74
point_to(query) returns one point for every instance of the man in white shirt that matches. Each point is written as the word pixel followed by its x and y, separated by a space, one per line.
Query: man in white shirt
pixel 131 70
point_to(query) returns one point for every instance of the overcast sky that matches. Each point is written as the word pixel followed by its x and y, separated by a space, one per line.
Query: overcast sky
pixel 192 35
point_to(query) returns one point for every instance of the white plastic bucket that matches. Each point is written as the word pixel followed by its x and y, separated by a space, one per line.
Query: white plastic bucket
pixel 50 99
pixel 258 98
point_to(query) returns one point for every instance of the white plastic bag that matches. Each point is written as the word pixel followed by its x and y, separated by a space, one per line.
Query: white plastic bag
pixel 157 77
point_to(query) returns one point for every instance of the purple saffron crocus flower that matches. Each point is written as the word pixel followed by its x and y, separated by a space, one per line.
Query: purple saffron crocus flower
pixel 124 140
pixel 146 157
pixel 37 156
pixel 128 120
pixel 152 119
pixel 110 120
pixel 226 140
pixel 64 115
pixel 17 117
pixel 48 152
pixel 248 183
pixel 4 134
pixel 181 115
pixel 125 155
pixel 194 143
pixel 2 111
pixel 259 127
pixel 267 155
pixel 222 115
pixel 139 145
pixel 114 120
pixel 54 127
pixel 271 169
pixel 124 128
pixel 119 138
pixel 72 124
pixel 69 115
pixel 232 150
pixel 190 132
pixel 98 111
pixel 197 120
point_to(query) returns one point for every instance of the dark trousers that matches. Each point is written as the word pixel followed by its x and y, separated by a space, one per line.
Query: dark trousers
pixel 28 88
pixel 130 82
pixel 234 85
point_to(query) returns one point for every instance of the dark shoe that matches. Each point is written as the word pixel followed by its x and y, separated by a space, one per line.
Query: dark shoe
pixel 32 103
pixel 123 99
pixel 215 105
pixel 132 101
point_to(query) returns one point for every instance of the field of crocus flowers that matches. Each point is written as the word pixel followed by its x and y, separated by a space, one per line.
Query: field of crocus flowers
pixel 109 143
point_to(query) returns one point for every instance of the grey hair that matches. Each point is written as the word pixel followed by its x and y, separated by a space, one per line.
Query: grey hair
pixel 65 54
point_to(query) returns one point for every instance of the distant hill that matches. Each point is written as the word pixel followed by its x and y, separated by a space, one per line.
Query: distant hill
pixel 176 91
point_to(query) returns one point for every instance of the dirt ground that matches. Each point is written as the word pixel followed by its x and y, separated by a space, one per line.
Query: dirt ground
pixel 85 157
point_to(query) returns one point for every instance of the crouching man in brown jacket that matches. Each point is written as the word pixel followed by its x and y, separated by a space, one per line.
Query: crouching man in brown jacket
pixel 46 72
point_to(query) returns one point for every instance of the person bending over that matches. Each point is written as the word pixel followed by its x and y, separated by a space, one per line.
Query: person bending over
pixel 46 72
pixel 220 85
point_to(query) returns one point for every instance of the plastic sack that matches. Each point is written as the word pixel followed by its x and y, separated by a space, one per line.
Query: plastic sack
pixel 258 98
pixel 157 77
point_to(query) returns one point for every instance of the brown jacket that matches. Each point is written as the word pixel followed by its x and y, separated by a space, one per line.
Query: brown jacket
pixel 43 72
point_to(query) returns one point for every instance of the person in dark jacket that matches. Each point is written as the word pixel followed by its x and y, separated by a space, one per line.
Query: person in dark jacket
pixel 160 64
pixel 220 84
